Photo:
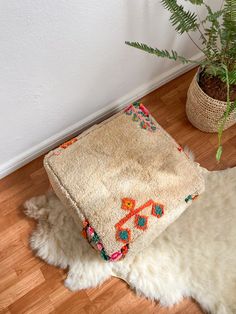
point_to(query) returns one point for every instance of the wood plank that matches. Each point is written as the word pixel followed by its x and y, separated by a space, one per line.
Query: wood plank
pixel 113 292
pixel 15 292
pixel 13 233
pixel 75 304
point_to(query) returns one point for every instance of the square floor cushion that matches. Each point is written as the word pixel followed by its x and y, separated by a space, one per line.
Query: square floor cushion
pixel 124 181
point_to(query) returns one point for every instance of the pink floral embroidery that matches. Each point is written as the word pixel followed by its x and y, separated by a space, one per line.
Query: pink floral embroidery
pixel 99 246
pixel 90 230
pixel 116 256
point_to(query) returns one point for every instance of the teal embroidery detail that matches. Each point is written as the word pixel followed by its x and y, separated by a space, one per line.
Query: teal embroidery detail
pixel 191 197
pixel 124 235
pixel 188 198
pixel 141 222
pixel 135 118
pixel 153 127
pixel 95 238
pixel 104 255
pixel 157 210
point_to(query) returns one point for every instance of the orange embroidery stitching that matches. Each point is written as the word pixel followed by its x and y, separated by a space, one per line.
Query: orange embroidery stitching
pixel 128 204
pixel 68 143
pixel 140 222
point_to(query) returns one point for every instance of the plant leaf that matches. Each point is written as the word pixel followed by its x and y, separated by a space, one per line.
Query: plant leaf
pixel 183 21
pixel 172 55
pixel 198 2
pixel 219 153
pixel 228 39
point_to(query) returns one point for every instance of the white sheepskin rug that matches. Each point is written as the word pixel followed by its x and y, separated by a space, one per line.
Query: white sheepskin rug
pixel 195 257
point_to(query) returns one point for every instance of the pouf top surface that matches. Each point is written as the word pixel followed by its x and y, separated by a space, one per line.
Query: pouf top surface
pixel 124 175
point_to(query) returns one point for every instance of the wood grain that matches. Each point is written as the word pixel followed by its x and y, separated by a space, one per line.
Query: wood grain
pixel 28 285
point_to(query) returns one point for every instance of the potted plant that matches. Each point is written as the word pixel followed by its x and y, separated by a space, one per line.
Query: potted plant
pixel 211 99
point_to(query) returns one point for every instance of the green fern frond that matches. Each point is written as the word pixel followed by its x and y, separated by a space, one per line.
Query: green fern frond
pixel 172 55
pixel 232 77
pixel 230 14
pixel 215 70
pixel 212 16
pixel 218 71
pixel 213 32
pixel 183 21
pixel 229 28
pixel 197 2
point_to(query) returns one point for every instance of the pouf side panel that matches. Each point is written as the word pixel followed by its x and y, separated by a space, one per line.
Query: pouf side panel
pixel 63 195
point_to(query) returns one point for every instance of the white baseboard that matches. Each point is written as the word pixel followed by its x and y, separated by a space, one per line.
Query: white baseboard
pixel 53 141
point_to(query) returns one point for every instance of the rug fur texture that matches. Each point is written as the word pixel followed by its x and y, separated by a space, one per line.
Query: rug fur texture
pixel 195 257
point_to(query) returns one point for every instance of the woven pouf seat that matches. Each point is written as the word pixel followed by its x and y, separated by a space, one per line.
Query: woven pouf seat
pixel 123 181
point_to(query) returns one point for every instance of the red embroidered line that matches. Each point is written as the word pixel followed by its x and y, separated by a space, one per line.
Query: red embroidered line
pixel 132 213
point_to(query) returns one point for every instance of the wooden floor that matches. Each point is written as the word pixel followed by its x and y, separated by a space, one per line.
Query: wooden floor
pixel 28 285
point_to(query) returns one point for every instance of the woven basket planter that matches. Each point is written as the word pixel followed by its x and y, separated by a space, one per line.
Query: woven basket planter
pixel 205 112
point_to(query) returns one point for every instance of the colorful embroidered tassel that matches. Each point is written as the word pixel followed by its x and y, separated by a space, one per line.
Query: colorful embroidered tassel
pixel 89 233
pixel 140 113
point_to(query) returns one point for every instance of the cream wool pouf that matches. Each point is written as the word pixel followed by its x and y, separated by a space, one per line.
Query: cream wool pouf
pixel 125 180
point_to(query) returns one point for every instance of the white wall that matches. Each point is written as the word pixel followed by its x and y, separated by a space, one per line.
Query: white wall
pixel 64 62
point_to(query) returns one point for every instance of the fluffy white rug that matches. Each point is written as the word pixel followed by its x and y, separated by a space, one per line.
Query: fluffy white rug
pixel 195 256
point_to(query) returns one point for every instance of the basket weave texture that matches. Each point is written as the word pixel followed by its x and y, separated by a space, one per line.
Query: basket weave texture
pixel 205 112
